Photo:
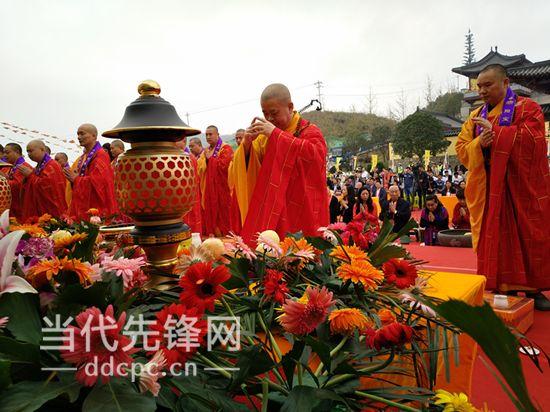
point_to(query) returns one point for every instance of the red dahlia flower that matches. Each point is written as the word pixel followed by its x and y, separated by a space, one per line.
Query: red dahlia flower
pixel 202 285
pixel 394 334
pixel 98 339
pixel 400 272
pixel 275 286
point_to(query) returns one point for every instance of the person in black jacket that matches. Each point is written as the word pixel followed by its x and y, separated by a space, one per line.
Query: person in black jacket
pixel 421 185
pixel 397 209
pixel 334 206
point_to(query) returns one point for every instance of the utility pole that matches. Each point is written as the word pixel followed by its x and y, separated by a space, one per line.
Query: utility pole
pixel 318 84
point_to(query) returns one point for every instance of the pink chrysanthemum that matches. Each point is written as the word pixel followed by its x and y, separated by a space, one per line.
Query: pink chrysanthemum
pixel 236 245
pixel 304 315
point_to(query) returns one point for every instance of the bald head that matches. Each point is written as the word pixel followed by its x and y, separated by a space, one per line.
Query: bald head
pixel 36 149
pixel 117 148
pixel 277 91
pixel 62 159
pixel 13 152
pixel 195 146
pixel 492 84
pixel 277 105
pixel 239 136
pixel 87 136
pixel 394 192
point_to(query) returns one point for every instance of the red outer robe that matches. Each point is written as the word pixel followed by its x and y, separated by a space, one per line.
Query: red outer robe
pixel 282 205
pixel 217 198
pixel 459 221
pixel 45 193
pixel 514 244
pixel 96 189
pixel 17 189
pixel 193 217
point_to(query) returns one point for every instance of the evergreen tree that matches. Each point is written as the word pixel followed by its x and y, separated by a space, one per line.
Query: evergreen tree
pixel 418 132
pixel 470 51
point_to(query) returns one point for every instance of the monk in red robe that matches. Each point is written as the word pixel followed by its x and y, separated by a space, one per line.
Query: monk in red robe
pixel 92 177
pixel 503 146
pixel 44 186
pixel 193 217
pixel 216 198
pixel 236 219
pixel 14 155
pixel 280 170
pixel 116 149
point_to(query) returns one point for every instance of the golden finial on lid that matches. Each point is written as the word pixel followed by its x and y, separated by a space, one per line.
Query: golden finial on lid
pixel 149 88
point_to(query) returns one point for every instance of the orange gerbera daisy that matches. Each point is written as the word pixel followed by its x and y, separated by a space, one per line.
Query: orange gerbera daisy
pixel 298 247
pixel 33 230
pixel 45 218
pixel 93 211
pixel 44 271
pixel 81 269
pixel 345 253
pixel 345 321
pixel 361 271
pixel 386 316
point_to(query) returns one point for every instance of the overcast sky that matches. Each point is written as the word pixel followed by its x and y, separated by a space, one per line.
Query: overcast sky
pixel 64 63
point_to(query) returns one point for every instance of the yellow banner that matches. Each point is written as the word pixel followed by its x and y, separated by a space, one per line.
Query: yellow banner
pixel 374 161
pixel 354 163
pixel 390 151
pixel 337 165
pixel 426 158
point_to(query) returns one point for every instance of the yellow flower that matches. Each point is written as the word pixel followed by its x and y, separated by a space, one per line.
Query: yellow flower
pixel 345 321
pixel 360 271
pixel 453 402
pixel 33 230
pixel 64 238
pixel 342 252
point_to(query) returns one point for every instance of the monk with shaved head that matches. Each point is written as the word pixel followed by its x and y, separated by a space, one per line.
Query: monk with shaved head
pixel 212 167
pixel 91 177
pixel 14 155
pixel 117 148
pixel 279 170
pixel 44 187
pixel 503 145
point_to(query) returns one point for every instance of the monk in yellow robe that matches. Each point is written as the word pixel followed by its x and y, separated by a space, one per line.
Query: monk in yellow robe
pixel 503 146
pixel 279 170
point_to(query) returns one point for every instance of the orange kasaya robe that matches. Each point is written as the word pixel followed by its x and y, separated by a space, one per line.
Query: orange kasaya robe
pixel 45 192
pixel 215 195
pixel 16 181
pixel 283 185
pixel 95 189
pixel 509 203
pixel 193 217
pixel 235 218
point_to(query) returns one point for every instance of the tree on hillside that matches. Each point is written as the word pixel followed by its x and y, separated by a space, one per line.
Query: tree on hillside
pixel 448 103
pixel 469 49
pixel 380 137
pixel 420 131
pixel 354 144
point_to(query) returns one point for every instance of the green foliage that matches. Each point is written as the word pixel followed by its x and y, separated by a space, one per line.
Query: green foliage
pixel 419 132
pixel 447 103
pixel 118 395
pixel 22 310
pixel 30 396
pixel 496 340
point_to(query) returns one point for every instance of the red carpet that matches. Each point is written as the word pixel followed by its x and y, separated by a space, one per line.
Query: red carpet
pixel 485 388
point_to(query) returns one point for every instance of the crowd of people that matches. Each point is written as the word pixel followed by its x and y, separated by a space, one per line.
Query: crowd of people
pixel 398 193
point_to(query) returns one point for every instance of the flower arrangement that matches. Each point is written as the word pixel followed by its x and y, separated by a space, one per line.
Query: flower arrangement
pixel 320 323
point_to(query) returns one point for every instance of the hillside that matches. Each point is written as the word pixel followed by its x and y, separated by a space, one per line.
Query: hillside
pixel 336 126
